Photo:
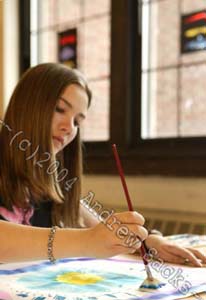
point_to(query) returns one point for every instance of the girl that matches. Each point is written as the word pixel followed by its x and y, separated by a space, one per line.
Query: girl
pixel 40 177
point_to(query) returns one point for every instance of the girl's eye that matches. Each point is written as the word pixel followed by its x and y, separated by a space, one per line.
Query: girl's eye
pixel 58 109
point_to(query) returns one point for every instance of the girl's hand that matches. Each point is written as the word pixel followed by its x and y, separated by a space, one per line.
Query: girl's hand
pixel 122 233
pixel 170 252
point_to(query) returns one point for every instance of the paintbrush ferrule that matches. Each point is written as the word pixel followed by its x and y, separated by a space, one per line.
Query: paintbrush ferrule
pixel 149 273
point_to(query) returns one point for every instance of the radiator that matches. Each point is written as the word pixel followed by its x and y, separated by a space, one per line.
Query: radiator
pixel 175 222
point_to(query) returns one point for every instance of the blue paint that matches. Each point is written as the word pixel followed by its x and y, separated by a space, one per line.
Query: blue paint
pixel 152 286
pixel 46 280
pixel 42 265
pixel 57 297
pixel 23 295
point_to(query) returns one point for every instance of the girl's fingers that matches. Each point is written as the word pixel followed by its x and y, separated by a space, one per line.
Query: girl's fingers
pixel 130 217
pixel 172 258
pixel 139 231
pixel 165 256
pixel 178 259
pixel 184 254
pixel 131 232
pixel 173 253
pixel 199 254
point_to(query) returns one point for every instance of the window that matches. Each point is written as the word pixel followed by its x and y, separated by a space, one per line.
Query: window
pixel 92 26
pixel 151 133
pixel 173 80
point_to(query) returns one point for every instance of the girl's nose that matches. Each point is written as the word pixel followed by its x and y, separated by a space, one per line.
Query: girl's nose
pixel 67 125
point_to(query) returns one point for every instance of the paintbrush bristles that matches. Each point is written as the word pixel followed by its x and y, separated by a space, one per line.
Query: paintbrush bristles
pixel 148 285
pixel 149 273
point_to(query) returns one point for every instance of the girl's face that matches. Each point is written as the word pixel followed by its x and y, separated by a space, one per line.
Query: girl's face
pixel 70 112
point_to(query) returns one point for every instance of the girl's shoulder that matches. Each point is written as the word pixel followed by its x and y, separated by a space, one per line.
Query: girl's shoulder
pixel 36 215
pixel 16 214
pixel 3 211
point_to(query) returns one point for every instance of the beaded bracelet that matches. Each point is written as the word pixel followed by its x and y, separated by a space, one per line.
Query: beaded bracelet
pixel 50 244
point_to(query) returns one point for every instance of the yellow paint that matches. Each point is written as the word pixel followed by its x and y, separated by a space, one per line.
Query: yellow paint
pixel 195 31
pixel 78 278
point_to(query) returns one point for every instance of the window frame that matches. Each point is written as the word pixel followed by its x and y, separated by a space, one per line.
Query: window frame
pixel 24 35
pixel 162 156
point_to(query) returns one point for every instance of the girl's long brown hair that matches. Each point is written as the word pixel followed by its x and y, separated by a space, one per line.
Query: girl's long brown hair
pixel 26 156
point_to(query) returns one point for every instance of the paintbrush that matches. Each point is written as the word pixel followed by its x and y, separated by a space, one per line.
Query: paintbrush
pixel 150 282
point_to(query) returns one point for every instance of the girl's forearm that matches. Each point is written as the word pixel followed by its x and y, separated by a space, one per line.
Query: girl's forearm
pixel 24 243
